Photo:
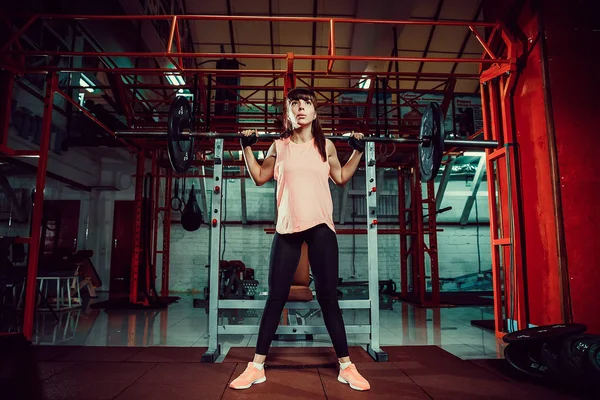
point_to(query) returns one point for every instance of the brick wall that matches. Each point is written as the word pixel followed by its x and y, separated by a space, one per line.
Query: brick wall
pixel 459 250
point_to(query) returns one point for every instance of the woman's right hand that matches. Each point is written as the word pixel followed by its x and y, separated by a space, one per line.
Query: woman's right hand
pixel 249 137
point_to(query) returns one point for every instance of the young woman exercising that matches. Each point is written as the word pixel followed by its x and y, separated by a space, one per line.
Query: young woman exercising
pixel 302 161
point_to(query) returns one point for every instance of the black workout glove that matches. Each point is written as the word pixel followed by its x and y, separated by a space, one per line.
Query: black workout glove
pixel 357 144
pixel 246 141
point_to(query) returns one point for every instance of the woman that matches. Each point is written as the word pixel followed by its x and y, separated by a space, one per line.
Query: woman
pixel 302 161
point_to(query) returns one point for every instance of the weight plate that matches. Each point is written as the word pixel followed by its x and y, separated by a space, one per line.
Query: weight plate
pixel 527 359
pixel 594 358
pixel 180 147
pixel 431 146
pixel 550 358
pixel 545 333
pixel 574 355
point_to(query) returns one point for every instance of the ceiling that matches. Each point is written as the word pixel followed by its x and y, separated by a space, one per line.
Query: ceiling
pixel 350 39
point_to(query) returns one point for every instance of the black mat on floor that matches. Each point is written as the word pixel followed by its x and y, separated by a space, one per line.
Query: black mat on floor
pixel 125 304
pixel 413 372
pixel 453 299
pixel 487 324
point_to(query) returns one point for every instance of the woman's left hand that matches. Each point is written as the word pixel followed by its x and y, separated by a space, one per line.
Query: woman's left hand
pixel 356 141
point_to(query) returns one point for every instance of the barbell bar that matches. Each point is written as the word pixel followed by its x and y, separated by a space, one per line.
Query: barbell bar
pixel 482 144
pixel 180 138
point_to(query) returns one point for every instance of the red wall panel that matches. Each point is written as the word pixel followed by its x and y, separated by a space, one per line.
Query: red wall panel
pixel 560 216
pixel 573 44
pixel 539 223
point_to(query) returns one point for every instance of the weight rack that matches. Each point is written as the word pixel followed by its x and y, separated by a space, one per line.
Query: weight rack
pixel 215 304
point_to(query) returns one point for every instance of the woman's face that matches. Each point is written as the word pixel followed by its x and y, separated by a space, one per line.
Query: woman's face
pixel 301 112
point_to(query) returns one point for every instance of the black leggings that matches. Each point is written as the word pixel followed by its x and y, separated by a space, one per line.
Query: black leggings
pixel 323 258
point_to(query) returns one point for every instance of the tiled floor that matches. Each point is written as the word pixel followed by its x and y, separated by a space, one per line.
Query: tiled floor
pixel 183 325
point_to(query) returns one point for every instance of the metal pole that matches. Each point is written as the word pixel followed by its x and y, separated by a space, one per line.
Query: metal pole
pixel 199 17
pixel 166 248
pixel 137 229
pixel 7 80
pixel 487 144
pixel 402 225
pixel 155 207
pixel 433 250
pixel 38 200
pixel 420 286
pixel 373 261
pixel 214 217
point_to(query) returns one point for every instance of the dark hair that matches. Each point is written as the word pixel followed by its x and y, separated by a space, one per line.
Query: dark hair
pixel 305 94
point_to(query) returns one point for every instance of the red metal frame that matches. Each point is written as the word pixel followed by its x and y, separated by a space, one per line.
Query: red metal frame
pixel 402 221
pixel 418 249
pixel 38 200
pixel 151 263
pixel 419 284
pixel 8 84
pixel 158 208
pixel 166 249
pixel 431 248
pixel 331 57
pixel 137 229
pixel 505 219
pixel 494 82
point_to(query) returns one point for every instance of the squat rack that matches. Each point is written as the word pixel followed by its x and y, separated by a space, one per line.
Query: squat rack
pixel 496 80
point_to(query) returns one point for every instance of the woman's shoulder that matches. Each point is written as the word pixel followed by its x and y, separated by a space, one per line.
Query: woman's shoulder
pixel 329 144
pixel 279 143
pixel 282 141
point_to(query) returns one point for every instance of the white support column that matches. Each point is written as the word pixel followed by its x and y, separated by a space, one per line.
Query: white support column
pixel 202 191
pixel 373 259
pixel 214 219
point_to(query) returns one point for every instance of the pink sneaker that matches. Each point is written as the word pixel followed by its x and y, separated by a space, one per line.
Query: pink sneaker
pixel 250 376
pixel 351 376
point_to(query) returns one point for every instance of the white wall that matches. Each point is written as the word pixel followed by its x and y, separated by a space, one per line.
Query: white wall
pixel 117 174
pixel 90 167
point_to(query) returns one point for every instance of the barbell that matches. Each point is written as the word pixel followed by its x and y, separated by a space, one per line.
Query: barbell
pixel 431 142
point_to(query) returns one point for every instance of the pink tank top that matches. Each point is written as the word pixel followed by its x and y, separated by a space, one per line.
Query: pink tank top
pixel 303 194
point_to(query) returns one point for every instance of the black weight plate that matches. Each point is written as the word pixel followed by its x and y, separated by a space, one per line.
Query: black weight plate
pixel 575 354
pixel 180 147
pixel 550 358
pixel 544 333
pixel 431 146
pixel 594 358
pixel 527 359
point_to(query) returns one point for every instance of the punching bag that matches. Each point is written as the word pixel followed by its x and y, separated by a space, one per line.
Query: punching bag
pixel 191 217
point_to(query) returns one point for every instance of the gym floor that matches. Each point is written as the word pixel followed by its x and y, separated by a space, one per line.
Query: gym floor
pixel 154 354
pixel 182 325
